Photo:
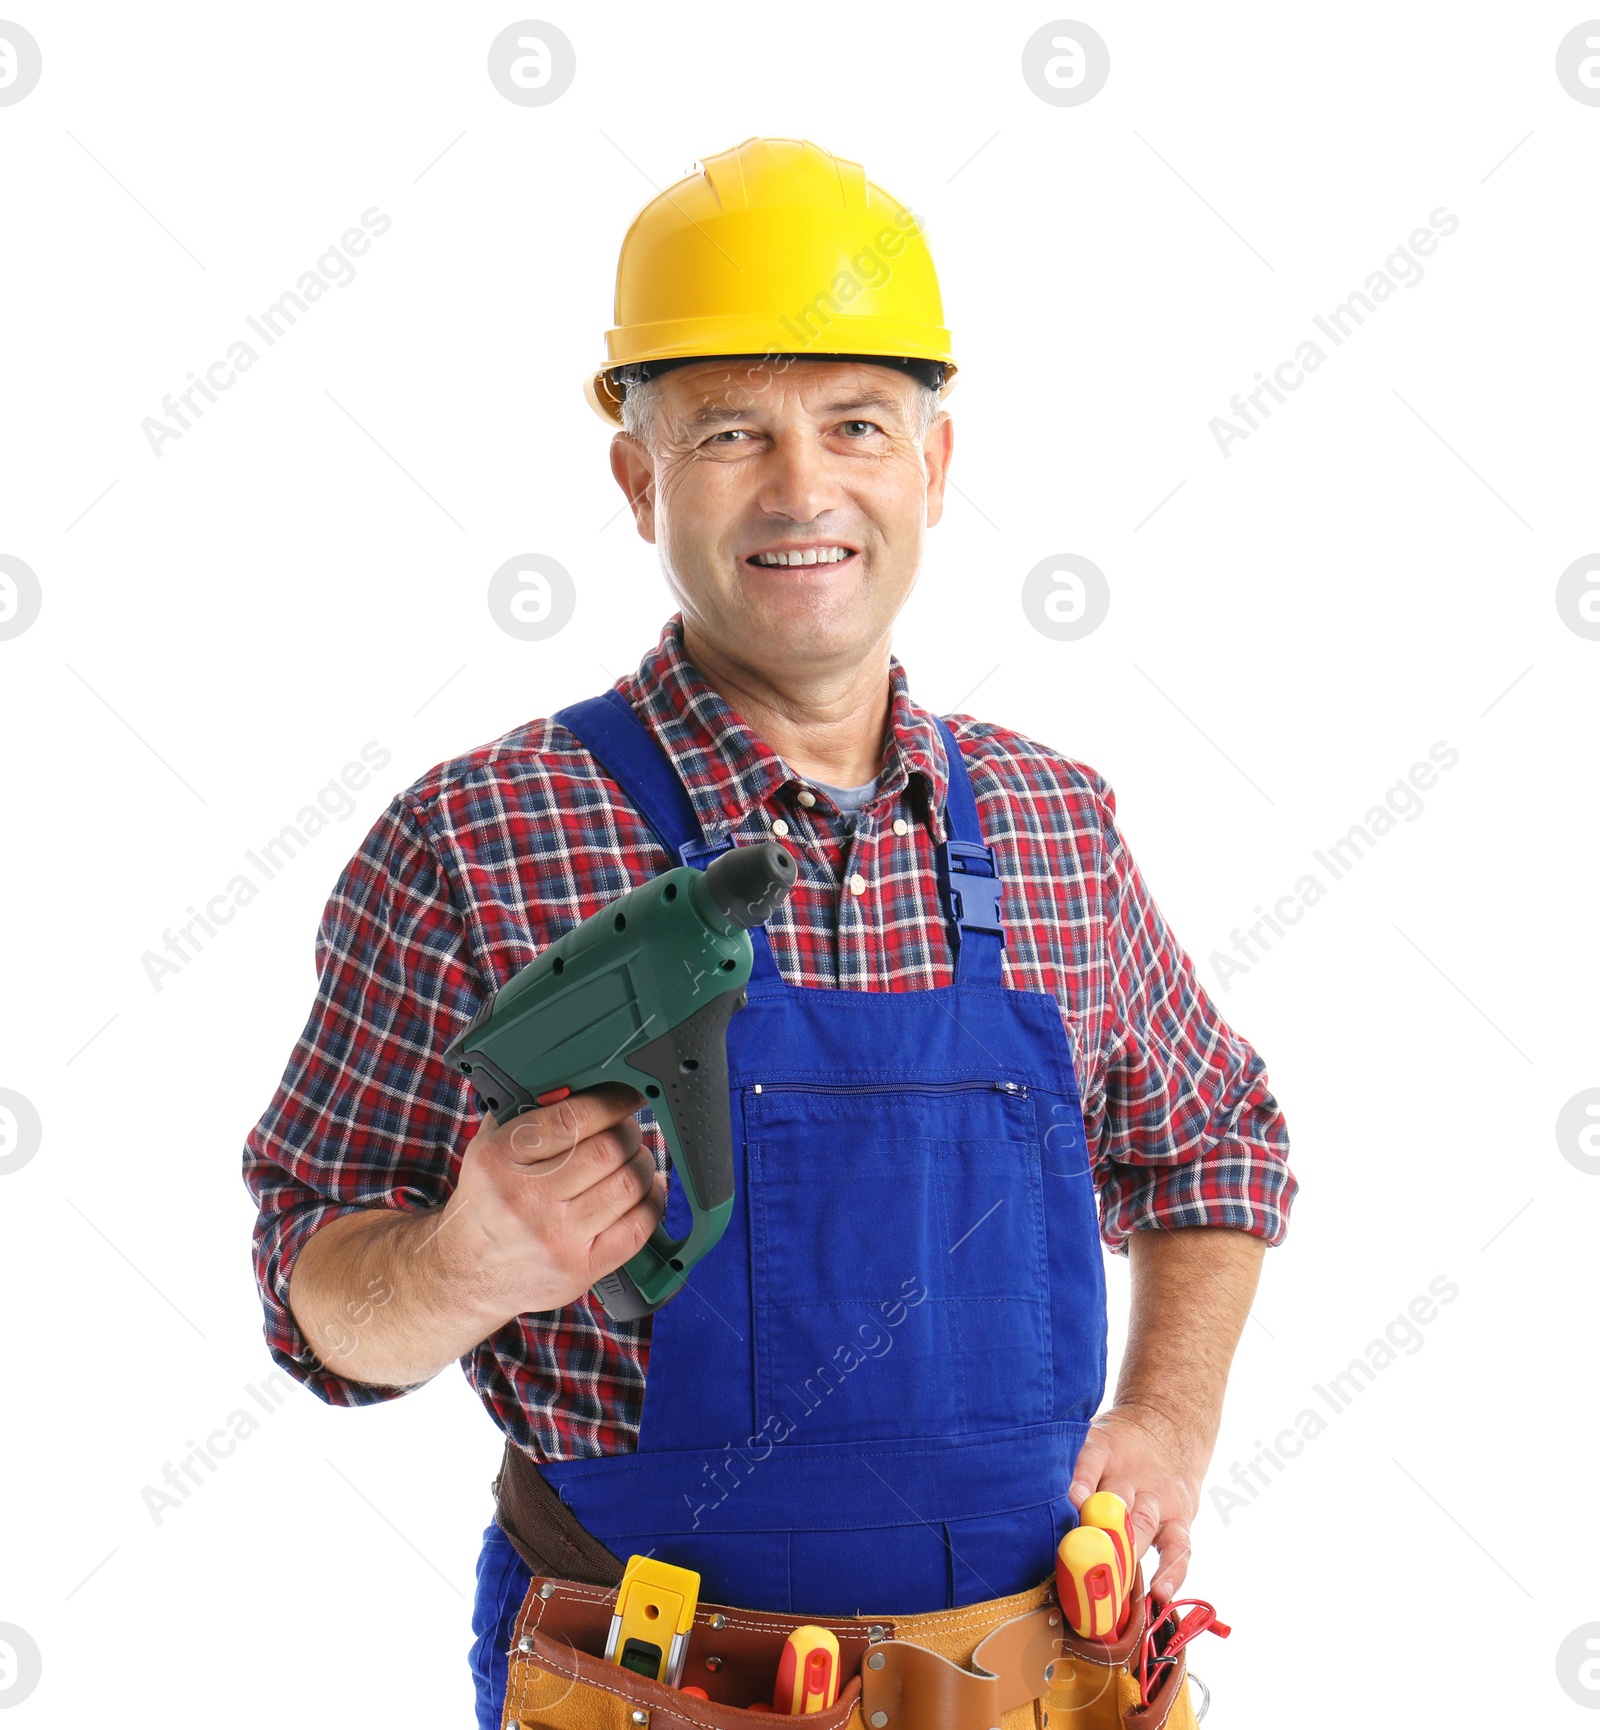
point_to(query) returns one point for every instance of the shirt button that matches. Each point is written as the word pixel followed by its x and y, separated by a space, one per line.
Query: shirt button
pixel 901 825
pixel 779 827
pixel 806 797
pixel 858 884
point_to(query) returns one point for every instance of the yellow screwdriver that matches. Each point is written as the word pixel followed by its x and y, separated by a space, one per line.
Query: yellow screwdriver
pixel 1107 1511
pixel 1094 1567
pixel 1086 1582
pixel 808 1671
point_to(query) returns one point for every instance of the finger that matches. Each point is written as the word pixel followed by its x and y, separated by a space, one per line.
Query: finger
pixel 1091 1462
pixel 596 1208
pixel 1172 1541
pixel 1113 1477
pixel 1144 1516
pixel 1117 1482
pixel 594 1163
pixel 552 1133
pixel 625 1237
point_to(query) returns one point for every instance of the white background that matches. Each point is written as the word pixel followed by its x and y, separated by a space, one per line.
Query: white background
pixel 1372 571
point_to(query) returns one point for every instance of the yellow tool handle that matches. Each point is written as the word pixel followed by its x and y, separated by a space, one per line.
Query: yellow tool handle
pixel 1086 1582
pixel 808 1671
pixel 1106 1511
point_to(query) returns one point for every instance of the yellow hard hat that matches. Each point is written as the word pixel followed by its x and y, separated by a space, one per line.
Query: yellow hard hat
pixel 774 248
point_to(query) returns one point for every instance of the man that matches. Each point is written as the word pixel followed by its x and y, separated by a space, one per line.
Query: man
pixel 879 1390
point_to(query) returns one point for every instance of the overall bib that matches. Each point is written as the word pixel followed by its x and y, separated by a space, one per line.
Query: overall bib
pixel 871 1394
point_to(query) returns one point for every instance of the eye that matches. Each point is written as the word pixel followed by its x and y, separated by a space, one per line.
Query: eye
pixel 859 428
pixel 729 434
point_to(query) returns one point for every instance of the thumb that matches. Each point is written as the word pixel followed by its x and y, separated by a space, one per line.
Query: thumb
pixel 1091 1464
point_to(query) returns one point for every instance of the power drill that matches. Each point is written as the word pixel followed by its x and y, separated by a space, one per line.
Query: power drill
pixel 641 992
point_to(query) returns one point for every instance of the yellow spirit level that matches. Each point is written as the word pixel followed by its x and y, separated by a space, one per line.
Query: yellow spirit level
pixel 651 1623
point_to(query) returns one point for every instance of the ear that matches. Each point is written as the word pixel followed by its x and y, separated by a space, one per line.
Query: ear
pixel 635 470
pixel 936 451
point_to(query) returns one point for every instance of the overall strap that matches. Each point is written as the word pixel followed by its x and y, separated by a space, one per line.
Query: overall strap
pixel 969 880
pixel 969 885
pixel 629 753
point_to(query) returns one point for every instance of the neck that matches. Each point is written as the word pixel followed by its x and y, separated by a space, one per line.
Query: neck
pixel 828 726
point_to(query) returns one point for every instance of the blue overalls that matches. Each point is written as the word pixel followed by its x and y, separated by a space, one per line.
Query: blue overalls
pixel 870 1395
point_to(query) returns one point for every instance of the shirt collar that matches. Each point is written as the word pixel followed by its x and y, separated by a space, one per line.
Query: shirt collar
pixel 728 771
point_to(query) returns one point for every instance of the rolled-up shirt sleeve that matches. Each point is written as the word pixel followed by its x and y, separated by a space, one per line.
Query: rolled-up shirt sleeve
pixel 367 1114
pixel 1184 1130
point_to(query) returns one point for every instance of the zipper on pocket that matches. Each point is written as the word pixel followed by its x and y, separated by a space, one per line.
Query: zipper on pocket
pixel 1015 1087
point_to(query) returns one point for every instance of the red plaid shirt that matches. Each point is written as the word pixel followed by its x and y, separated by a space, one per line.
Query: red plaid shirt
pixel 488 858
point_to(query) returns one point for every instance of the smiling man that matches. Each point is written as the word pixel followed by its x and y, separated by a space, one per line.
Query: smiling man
pixel 973 1050
pixel 789 501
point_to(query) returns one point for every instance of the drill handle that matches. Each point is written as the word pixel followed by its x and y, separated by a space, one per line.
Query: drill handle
pixel 684 1075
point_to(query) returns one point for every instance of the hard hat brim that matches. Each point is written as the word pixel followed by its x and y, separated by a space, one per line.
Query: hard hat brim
pixel 606 401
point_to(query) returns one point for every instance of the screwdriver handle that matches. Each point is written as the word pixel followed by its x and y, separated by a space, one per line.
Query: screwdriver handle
pixel 808 1671
pixel 1086 1582
pixel 1108 1512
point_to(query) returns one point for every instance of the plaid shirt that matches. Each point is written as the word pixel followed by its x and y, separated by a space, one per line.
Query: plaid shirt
pixel 488 858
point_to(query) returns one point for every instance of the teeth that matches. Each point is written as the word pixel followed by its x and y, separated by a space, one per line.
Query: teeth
pixel 805 556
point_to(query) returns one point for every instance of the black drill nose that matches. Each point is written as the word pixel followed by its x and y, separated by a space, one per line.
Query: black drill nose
pixel 748 883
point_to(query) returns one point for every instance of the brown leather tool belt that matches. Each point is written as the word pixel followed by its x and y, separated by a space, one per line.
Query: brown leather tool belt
pixel 1008 1662
pixel 543 1530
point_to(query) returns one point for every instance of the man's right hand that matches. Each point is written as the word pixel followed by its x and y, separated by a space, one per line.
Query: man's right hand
pixel 552 1201
pixel 544 1206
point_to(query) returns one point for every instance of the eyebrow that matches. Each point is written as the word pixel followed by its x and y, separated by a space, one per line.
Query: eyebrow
pixel 712 415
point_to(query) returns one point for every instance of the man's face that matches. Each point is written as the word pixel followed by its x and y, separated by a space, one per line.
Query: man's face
pixel 756 459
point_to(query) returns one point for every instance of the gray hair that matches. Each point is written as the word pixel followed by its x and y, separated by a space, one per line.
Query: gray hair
pixel 639 410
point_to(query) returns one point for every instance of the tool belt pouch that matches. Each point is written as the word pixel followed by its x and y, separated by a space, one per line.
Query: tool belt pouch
pixel 1008 1664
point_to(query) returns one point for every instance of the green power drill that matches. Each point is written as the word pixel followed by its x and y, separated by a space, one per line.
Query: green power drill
pixel 641 992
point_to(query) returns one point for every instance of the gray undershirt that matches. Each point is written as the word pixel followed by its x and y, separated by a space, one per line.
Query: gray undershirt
pixel 849 800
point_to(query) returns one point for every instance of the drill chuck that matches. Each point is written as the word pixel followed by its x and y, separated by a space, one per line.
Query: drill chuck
pixel 748 883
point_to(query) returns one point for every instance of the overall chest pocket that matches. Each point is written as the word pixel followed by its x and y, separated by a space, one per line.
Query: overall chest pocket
pixel 899 1264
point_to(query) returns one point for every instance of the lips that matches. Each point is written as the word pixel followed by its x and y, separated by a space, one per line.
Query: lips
pixel 783 558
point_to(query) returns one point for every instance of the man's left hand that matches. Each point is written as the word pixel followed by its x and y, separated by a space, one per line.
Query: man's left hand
pixel 1192 1288
pixel 1145 1457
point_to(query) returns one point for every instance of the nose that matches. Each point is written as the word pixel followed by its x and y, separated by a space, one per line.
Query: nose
pixel 798 480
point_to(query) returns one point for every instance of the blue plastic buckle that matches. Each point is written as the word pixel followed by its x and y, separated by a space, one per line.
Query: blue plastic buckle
pixel 701 853
pixel 974 901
